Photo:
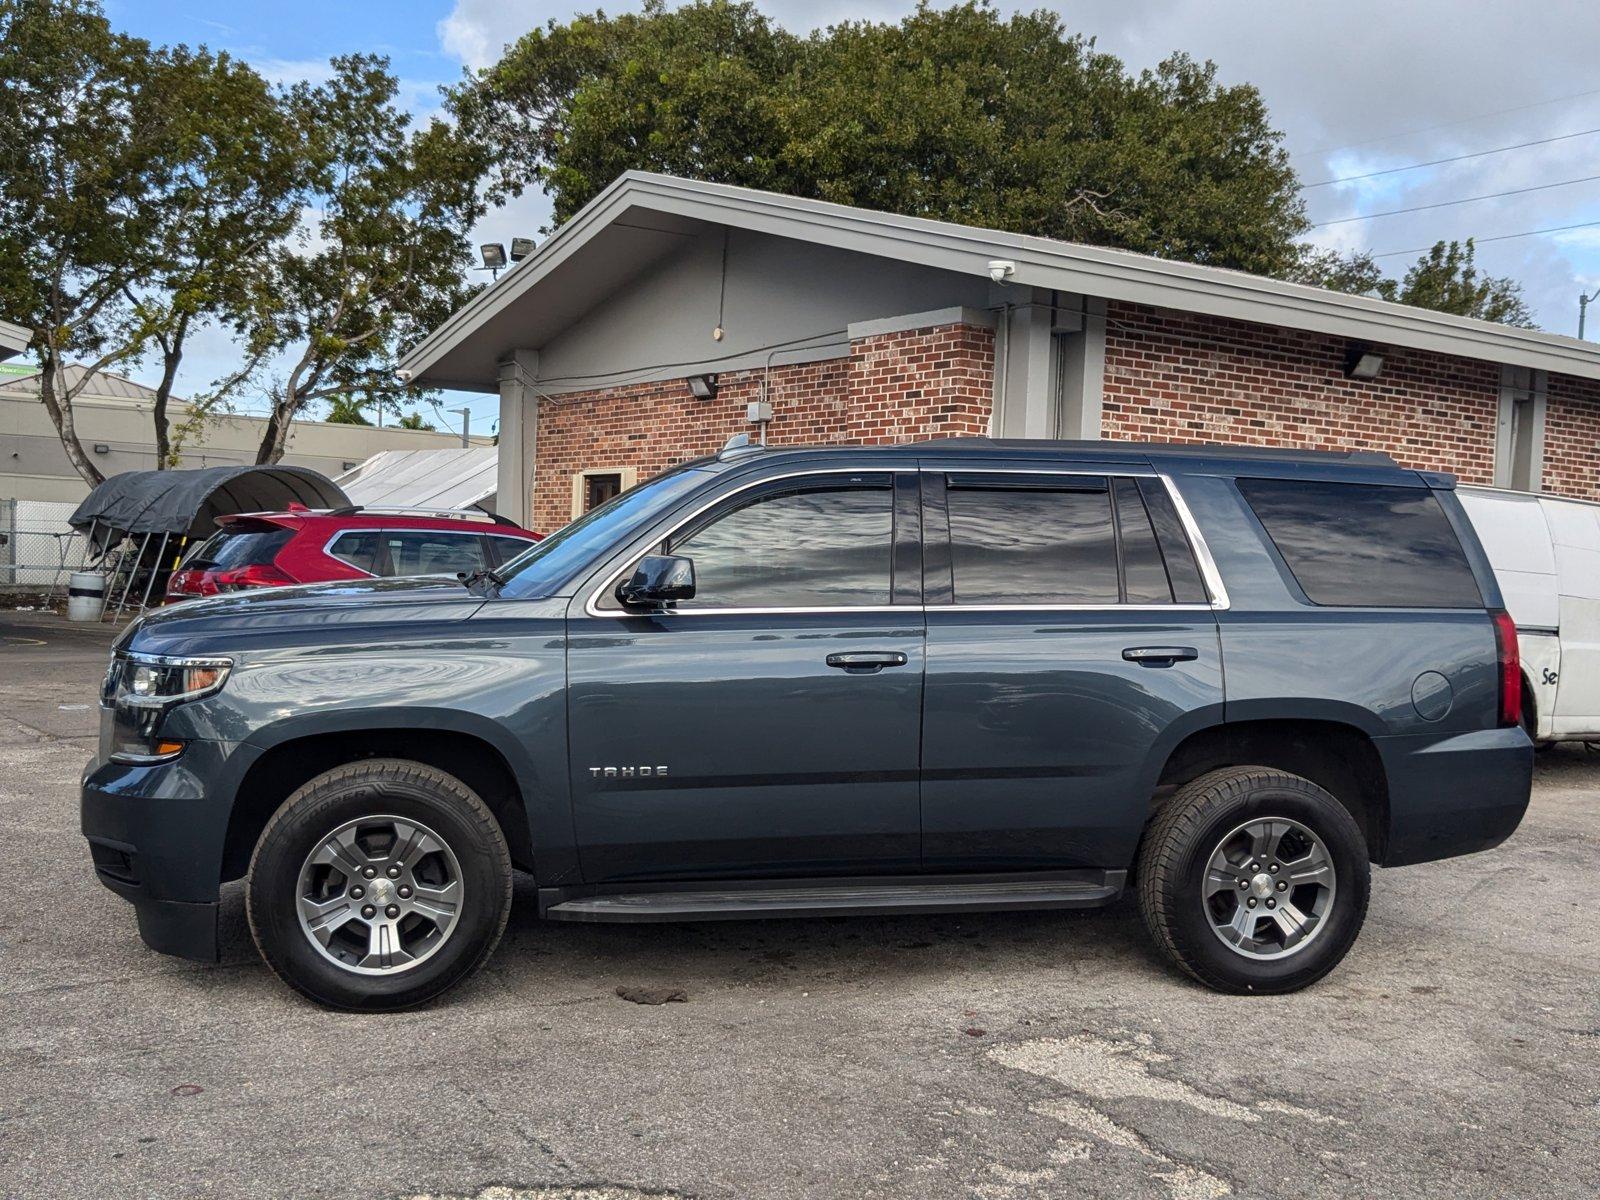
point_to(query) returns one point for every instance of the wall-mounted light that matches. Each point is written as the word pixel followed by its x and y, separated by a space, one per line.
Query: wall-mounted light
pixel 494 258
pixel 703 387
pixel 521 248
pixel 1362 362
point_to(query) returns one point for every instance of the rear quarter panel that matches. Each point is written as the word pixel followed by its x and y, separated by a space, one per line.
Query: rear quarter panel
pixel 1285 657
pixel 1421 683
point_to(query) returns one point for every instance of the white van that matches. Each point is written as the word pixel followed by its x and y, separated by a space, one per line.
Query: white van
pixel 1546 555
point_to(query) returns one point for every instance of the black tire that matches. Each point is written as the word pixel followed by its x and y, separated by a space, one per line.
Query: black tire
pixel 403 789
pixel 1172 871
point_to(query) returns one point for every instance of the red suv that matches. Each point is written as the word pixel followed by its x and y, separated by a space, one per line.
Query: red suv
pixel 319 546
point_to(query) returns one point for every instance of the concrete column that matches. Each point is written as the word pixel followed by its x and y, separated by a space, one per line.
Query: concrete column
pixel 519 433
pixel 1083 368
pixel 1519 432
pixel 1023 383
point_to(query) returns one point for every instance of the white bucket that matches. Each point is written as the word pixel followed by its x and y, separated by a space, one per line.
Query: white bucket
pixel 86 596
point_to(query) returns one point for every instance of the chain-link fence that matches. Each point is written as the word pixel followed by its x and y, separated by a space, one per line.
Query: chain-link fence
pixel 38 549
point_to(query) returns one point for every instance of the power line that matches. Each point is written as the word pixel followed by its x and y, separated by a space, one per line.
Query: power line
pixel 1435 162
pixel 1503 237
pixel 1389 137
pixel 1395 212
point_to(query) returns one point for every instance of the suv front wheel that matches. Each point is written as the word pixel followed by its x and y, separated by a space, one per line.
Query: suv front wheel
pixel 1254 880
pixel 378 885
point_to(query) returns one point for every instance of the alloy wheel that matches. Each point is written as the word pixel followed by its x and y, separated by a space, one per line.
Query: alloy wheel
pixel 379 895
pixel 1269 888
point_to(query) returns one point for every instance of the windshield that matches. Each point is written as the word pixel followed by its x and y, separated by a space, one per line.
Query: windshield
pixel 550 563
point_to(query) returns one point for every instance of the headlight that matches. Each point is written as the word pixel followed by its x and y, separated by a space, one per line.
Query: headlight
pixel 155 681
pixel 138 691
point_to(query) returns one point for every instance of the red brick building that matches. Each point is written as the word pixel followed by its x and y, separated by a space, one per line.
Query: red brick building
pixel 669 315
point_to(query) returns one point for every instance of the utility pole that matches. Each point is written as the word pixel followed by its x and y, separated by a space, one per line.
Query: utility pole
pixel 466 418
pixel 1583 308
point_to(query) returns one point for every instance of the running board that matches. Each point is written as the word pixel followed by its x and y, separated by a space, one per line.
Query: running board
pixel 845 897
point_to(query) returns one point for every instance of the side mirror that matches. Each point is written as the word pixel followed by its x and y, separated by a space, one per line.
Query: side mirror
pixel 658 579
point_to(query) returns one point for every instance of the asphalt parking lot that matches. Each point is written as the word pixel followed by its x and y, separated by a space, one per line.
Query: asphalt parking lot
pixel 1456 1053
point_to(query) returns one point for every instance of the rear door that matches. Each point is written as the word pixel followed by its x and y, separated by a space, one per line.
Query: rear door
pixel 1069 636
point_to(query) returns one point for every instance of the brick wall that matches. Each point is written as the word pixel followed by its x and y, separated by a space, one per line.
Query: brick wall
pixel 1572 437
pixel 1180 377
pixel 894 387
pixel 1170 376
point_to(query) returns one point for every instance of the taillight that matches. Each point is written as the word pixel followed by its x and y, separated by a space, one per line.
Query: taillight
pixel 1509 662
pixel 253 576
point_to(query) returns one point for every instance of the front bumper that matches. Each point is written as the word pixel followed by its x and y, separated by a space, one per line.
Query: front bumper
pixel 156 837
pixel 1454 795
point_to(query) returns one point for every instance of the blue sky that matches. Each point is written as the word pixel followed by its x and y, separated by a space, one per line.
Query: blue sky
pixel 1359 86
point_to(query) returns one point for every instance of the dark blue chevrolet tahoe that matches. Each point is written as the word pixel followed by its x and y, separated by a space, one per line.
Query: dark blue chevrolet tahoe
pixel 947 676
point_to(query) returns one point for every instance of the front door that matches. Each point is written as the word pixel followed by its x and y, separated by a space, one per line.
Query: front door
pixel 1070 637
pixel 768 727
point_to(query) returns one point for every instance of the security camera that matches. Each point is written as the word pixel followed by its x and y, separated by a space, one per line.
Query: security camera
pixel 403 375
pixel 1001 269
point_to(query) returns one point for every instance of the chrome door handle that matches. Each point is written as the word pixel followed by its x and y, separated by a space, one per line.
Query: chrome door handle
pixel 1160 656
pixel 868 662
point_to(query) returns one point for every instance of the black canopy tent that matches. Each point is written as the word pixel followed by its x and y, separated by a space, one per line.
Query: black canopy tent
pixel 129 512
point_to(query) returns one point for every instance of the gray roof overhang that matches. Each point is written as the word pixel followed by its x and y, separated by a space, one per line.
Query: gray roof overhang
pixel 13 340
pixel 642 217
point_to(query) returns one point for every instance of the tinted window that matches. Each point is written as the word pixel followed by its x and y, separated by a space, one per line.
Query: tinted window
pixel 360 550
pixel 1176 553
pixel 426 552
pixel 1023 543
pixel 821 547
pixel 503 549
pixel 1366 546
pixel 1144 575
pixel 240 548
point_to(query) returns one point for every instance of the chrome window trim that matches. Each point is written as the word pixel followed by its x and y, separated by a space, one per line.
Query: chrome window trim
pixel 1202 552
pixel 327 547
pixel 1207 565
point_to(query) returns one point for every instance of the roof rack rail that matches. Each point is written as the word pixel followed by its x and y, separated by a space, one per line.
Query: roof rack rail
pixel 409 510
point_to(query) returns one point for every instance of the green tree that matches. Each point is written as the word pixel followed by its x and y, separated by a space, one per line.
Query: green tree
pixel 1357 272
pixel 231 198
pixel 345 410
pixel 80 142
pixel 954 113
pixel 140 190
pixel 386 254
pixel 1447 279
pixel 413 420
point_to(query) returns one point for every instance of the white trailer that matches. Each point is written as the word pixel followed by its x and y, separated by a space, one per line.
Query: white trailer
pixel 1546 554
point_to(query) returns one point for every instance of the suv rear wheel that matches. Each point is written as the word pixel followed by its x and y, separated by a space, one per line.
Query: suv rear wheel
pixel 1254 880
pixel 378 885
